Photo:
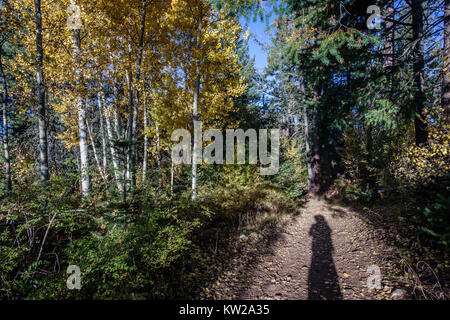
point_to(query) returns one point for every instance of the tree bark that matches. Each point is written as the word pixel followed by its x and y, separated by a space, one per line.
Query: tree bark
pixel 109 131
pixel 129 128
pixel 195 117
pixel 307 139
pixel 145 157
pixel 390 45
pixel 103 133
pixel 135 103
pixel 158 152
pixel 94 149
pixel 196 146
pixel 83 142
pixel 117 125
pixel 446 73
pixel 308 150
pixel 172 175
pixel 421 135
pixel 316 141
pixel 43 156
pixel 5 127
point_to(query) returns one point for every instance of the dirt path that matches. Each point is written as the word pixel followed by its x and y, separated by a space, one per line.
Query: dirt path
pixel 323 253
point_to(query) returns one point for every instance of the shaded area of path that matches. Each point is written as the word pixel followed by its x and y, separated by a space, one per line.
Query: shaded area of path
pixel 323 253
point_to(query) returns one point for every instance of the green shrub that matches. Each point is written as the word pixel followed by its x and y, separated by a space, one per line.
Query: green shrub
pixel 151 247
pixel 438 219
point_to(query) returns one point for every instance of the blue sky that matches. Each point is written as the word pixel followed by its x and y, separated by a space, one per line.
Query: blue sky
pixel 259 34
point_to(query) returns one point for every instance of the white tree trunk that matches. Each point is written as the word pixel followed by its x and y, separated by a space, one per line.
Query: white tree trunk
pixel 5 128
pixel 172 174
pixel 135 103
pixel 84 159
pixel 114 158
pixel 129 128
pixel 158 152
pixel 117 126
pixel 195 117
pixel 145 160
pixel 43 156
pixel 196 145
pixel 103 133
pixel 94 149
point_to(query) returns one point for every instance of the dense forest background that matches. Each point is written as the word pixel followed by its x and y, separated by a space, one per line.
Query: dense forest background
pixel 91 92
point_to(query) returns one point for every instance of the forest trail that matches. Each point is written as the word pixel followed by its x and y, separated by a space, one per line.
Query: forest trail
pixel 323 253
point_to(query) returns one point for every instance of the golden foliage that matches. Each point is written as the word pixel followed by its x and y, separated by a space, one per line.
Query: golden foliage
pixel 424 163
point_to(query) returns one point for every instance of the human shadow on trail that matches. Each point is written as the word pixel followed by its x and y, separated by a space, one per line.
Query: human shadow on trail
pixel 323 281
